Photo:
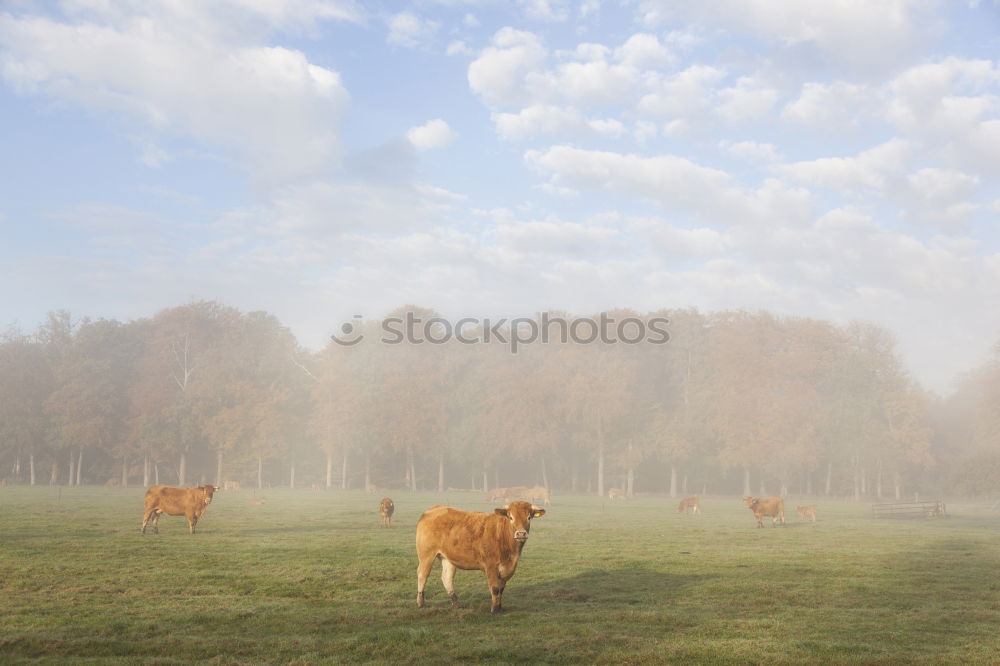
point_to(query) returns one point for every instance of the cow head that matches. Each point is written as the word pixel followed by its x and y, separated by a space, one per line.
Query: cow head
pixel 750 501
pixel 207 491
pixel 520 514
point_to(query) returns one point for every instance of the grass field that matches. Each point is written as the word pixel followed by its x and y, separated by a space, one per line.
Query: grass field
pixel 308 577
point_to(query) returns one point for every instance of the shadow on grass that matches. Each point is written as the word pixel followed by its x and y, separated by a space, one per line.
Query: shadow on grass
pixel 624 586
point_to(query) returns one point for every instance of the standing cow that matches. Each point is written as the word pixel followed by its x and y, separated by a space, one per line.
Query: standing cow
pixel 774 507
pixel 490 542
pixel 385 510
pixel 807 512
pixel 691 503
pixel 616 494
pixel 189 502
pixel 537 494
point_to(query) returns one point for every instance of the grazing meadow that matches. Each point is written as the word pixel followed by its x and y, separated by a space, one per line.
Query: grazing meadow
pixel 308 577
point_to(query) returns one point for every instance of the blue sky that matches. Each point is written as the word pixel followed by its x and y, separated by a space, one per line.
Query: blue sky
pixel 319 159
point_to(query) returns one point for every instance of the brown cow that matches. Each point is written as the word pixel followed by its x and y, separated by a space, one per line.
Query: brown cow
pixel 385 510
pixel 689 503
pixel 807 512
pixel 497 494
pixel 189 502
pixel 616 493
pixel 774 507
pixel 539 493
pixel 491 542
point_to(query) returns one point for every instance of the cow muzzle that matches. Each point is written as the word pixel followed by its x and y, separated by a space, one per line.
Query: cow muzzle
pixel 521 535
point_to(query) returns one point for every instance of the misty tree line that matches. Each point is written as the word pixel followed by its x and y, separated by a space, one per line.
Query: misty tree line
pixel 735 402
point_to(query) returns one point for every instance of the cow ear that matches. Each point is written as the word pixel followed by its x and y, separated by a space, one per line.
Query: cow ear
pixel 502 512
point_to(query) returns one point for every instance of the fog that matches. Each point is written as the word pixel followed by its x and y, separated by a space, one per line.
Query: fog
pixel 671 402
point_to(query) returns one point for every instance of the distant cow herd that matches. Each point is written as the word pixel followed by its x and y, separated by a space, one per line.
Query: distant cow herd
pixel 469 540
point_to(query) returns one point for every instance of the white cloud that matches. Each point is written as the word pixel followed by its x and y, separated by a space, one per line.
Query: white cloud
pixel 832 106
pixel 675 242
pixel 688 93
pixel 751 151
pixel 671 180
pixel 546 119
pixel 558 238
pixel 870 171
pixel 433 134
pixel 880 32
pixel 941 197
pixel 503 73
pixel 175 81
pixel 545 10
pixel 644 51
pixel 953 104
pixel 748 99
pixel 458 47
pixel 409 30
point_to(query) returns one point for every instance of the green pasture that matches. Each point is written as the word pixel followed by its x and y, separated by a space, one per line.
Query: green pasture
pixel 308 577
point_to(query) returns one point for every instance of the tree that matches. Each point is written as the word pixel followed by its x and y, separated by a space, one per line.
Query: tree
pixel 26 383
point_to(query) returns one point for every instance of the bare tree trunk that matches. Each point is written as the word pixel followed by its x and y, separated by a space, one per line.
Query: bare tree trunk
pixel 343 472
pixel 79 467
pixel 486 485
pixel 878 478
pixel 857 481
pixel 124 472
pixel 291 476
pixel 898 482
pixel 260 472
pixel 630 482
pixel 746 482
pixel 864 482
pixel 145 470
pixel 684 485
pixel 72 468
pixel 673 479
pixel 31 465
pixel 600 458
pixel 411 470
pixel 329 469
pixel 545 473
pixel 574 478
pixel 156 473
pixel 600 472
pixel 218 468
pixel 54 476
pixel 182 470
pixel 441 472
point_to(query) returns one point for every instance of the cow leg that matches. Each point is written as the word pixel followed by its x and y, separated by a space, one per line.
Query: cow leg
pixel 145 520
pixel 448 579
pixel 156 522
pixel 423 571
pixel 496 590
pixel 192 521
